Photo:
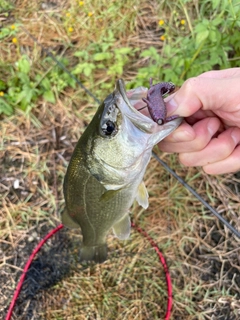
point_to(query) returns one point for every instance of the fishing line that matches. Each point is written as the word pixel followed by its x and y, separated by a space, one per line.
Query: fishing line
pixel 141 231
pixel 52 232
pixel 187 186
pixel 224 221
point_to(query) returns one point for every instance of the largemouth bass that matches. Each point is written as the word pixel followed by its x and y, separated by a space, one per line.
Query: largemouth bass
pixel 105 173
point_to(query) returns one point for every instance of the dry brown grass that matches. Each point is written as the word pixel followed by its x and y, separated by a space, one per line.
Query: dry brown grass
pixel 202 255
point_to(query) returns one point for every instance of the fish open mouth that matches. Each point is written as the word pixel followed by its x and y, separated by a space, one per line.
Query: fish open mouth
pixel 128 107
pixel 132 98
pixel 129 103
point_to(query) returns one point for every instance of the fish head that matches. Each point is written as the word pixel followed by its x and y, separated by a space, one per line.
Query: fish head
pixel 123 136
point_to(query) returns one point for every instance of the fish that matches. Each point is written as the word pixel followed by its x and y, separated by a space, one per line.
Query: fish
pixel 105 173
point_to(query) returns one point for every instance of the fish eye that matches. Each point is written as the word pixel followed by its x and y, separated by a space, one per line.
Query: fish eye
pixel 109 128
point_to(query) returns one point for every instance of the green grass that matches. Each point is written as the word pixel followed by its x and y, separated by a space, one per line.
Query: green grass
pixel 44 112
pixel 171 41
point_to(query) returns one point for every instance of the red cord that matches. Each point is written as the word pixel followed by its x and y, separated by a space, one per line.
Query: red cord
pixel 165 267
pixel 20 283
pixel 51 233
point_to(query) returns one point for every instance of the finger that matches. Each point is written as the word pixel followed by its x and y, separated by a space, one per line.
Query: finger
pixel 232 72
pixel 206 94
pixel 217 150
pixel 228 165
pixel 203 133
pixel 183 133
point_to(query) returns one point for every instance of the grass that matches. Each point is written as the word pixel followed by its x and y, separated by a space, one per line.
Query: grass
pixel 38 137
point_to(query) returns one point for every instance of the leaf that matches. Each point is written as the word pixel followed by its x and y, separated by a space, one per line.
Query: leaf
pixel 116 69
pixel 23 77
pixel 3 85
pixel 214 57
pixel 201 36
pixel 215 22
pixel 215 36
pixel 19 96
pixel 123 50
pixel 79 68
pixel 70 81
pixel 5 107
pixel 49 96
pixel 119 69
pixel 201 26
pixel 215 4
pixel 105 46
pixel 4 33
pixel 167 50
pixel 24 104
pixel 102 56
pixel 87 71
pixel 149 52
pixel 46 84
pixel 24 65
pixel 29 93
pixel 81 54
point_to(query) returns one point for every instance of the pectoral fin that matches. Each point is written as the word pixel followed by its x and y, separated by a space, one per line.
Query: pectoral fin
pixel 122 228
pixel 67 220
pixel 142 195
pixel 109 194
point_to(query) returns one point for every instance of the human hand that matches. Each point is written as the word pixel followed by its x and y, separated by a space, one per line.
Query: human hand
pixel 210 135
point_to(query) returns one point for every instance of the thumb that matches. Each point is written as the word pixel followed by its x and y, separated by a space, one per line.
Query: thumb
pixel 204 93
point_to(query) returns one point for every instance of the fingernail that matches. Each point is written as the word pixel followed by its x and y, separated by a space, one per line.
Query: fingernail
pixel 235 134
pixel 212 126
pixel 171 105
pixel 183 135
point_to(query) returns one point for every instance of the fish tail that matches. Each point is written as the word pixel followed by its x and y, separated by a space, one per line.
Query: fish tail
pixel 97 254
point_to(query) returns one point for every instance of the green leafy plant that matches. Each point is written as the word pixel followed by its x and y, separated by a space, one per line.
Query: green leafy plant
pixel 103 57
pixel 9 31
pixel 22 89
pixel 212 42
pixel 5 5
pixel 18 89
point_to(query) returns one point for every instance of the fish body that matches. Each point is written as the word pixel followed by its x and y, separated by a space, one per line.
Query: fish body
pixel 105 173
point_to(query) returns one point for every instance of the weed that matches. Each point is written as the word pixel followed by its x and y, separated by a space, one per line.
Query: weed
pixel 5 6
pixel 104 58
pixel 22 88
pixel 207 38
pixel 9 31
